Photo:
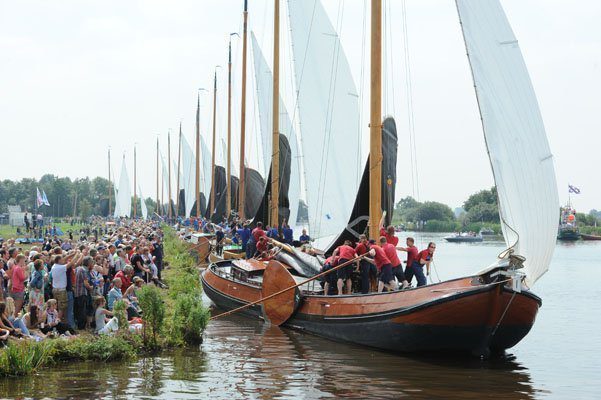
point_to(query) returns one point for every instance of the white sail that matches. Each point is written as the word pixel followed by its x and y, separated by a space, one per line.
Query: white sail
pixel 264 82
pixel 143 204
pixel 123 207
pixel 165 184
pixel 116 211
pixel 188 177
pixel 328 107
pixel 519 152
pixel 206 178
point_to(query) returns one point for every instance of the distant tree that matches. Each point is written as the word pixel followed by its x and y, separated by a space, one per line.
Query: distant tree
pixel 483 196
pixel 432 210
pixel 482 212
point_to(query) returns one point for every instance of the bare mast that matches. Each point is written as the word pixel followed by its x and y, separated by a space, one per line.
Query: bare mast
pixel 375 126
pixel 242 182
pixel 275 155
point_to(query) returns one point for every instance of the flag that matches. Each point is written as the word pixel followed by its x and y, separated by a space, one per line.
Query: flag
pixel 573 189
pixel 39 199
pixel 45 199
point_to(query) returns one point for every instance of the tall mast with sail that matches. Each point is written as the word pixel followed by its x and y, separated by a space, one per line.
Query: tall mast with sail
pixel 275 143
pixel 197 159
pixel 135 183
pixel 179 167
pixel 241 186
pixel 110 191
pixel 169 174
pixel 212 207
pixel 228 177
pixel 375 124
pixel 158 210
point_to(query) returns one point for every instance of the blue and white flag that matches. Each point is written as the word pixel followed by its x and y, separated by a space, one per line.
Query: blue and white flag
pixel 45 199
pixel 573 189
pixel 39 199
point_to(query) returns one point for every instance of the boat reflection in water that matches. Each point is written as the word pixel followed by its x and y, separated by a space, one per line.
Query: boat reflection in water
pixel 276 362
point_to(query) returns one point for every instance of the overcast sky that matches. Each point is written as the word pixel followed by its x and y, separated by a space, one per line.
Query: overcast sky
pixel 79 76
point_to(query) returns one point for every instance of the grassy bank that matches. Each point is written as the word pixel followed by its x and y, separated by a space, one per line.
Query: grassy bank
pixel 173 317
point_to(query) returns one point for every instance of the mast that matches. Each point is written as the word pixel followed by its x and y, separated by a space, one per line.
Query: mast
pixel 169 174
pixel 197 186
pixel 275 155
pixel 242 181
pixel 228 196
pixel 179 160
pixel 213 146
pixel 158 210
pixel 375 125
pixel 135 193
pixel 109 184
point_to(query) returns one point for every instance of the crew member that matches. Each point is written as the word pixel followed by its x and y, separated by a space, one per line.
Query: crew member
pixel 397 266
pixel 388 233
pixel 412 253
pixel 384 267
pixel 367 269
pixel 424 257
pixel 329 280
pixel 345 253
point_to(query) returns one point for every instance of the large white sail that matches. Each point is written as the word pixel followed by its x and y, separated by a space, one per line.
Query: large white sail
pixel 116 211
pixel 328 107
pixel 188 176
pixel 143 204
pixel 206 179
pixel 124 194
pixel 515 136
pixel 165 184
pixel 264 82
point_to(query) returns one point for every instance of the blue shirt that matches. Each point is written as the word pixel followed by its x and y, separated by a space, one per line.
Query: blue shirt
pixel 304 238
pixel 114 295
pixel 244 234
pixel 288 235
pixel 273 233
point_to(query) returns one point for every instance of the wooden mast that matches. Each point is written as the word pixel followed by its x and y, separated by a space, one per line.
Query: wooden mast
pixel 275 155
pixel 375 125
pixel 213 146
pixel 197 186
pixel 158 210
pixel 135 193
pixel 179 160
pixel 110 194
pixel 242 182
pixel 169 174
pixel 228 195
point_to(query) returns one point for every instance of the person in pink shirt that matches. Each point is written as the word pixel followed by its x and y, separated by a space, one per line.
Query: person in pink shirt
pixel 18 277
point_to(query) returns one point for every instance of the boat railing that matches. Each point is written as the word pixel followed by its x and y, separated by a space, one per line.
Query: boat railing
pixel 235 277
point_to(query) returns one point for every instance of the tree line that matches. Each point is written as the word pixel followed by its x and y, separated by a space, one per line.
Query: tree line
pixel 81 197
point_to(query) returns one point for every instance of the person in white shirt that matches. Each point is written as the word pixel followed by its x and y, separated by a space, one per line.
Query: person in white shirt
pixel 59 276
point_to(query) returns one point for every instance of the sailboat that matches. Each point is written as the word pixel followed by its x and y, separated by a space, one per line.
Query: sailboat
pixel 487 312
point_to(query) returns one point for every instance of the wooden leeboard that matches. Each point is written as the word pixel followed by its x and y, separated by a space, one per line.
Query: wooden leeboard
pixel 203 248
pixel 279 309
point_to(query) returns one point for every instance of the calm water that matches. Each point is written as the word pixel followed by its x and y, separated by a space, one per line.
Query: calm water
pixel 242 358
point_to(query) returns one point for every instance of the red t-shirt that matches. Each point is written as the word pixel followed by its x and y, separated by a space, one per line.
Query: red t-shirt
pixel 380 257
pixel 257 233
pixel 412 255
pixel 346 252
pixel 262 246
pixel 18 279
pixel 361 249
pixel 392 239
pixel 392 255
pixel 425 254
pixel 125 282
pixel 332 260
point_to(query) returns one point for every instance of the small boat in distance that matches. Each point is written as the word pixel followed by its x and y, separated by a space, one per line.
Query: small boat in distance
pixel 464 237
pixel 568 229
pixel 584 236
pixel 486 231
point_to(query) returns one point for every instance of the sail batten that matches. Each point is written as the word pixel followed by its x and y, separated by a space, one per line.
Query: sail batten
pixel 514 133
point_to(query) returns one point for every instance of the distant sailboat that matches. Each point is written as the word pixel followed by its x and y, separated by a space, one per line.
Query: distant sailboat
pixel 123 195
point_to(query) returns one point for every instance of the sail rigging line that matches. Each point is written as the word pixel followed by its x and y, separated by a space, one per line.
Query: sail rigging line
pixel 409 94
pixel 494 331
pixel 361 97
pixel 328 123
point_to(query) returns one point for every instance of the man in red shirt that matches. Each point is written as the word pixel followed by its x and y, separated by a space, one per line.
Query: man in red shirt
pixel 384 267
pixel 388 233
pixel 424 257
pixel 251 246
pixel 367 269
pixel 330 279
pixel 397 266
pixel 412 253
pixel 345 253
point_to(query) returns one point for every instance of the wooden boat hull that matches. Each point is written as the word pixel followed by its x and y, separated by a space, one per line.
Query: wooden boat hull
pixel 452 316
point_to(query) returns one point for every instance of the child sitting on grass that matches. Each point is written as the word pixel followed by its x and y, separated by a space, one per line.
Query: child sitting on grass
pixel 104 325
pixel 53 322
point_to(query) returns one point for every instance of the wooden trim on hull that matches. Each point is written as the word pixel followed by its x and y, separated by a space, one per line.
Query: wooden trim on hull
pixel 452 316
